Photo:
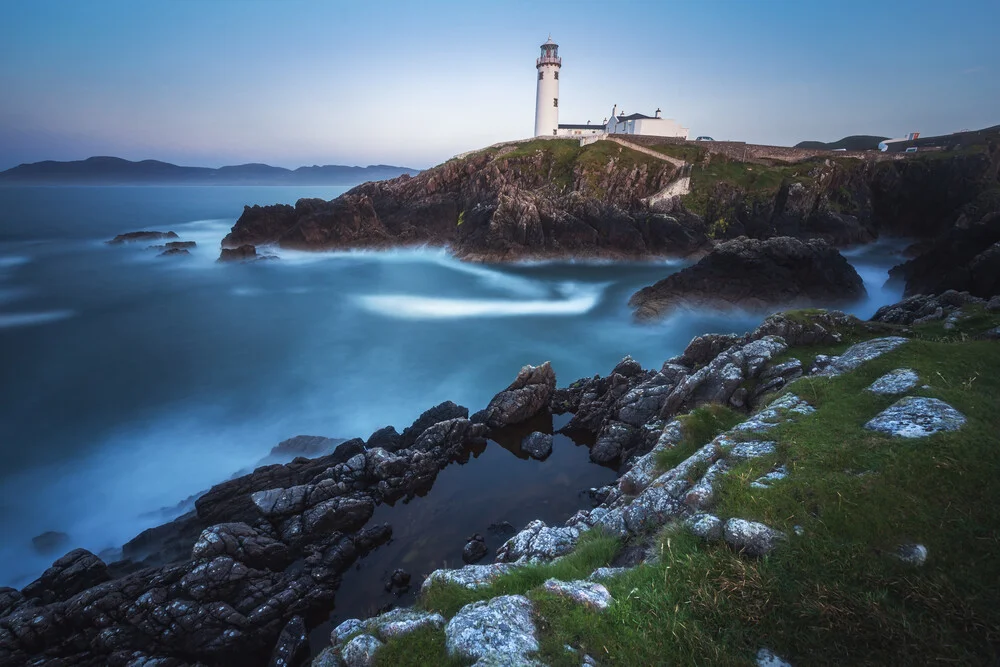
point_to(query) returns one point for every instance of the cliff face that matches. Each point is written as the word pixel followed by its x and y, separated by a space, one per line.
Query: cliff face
pixel 553 198
pixel 540 199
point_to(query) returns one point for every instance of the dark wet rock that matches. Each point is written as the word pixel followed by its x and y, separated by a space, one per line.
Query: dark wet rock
pixel 10 598
pixel 917 417
pixel 387 438
pixel 172 252
pixel 243 544
pixel 702 349
pixel 293 645
pixel 501 527
pixel 756 275
pixel 614 438
pixel 399 580
pixel 537 445
pixel 76 571
pixel 450 435
pixel 751 538
pixel 49 541
pixel 527 395
pixel 474 550
pixel 439 413
pixel 171 245
pixel 238 254
pixel 131 237
pixel 922 308
pixel 628 367
pixel 993 305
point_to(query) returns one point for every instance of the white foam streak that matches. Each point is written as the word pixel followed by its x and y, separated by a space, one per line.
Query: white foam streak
pixel 8 320
pixel 409 307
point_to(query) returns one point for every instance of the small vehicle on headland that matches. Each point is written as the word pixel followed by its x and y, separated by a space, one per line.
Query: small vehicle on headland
pixel 704 139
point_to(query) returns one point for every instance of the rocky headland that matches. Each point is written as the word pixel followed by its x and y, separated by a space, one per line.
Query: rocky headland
pixel 731 455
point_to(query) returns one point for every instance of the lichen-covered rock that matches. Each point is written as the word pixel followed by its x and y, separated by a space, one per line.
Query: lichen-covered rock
pixel 538 543
pixel 766 658
pixel 778 411
pixel 706 526
pixel 765 481
pixel 912 554
pixel 753 449
pixel 586 593
pixel 400 622
pixel 527 395
pixel 859 353
pixel 470 576
pixel 612 440
pixel 898 381
pixel 360 651
pixel 917 417
pixel 605 573
pixel 537 445
pixel 643 470
pixel 751 538
pixel 921 308
pixel 702 493
pixel 500 631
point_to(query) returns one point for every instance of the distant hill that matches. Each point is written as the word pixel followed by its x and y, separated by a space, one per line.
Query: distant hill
pixel 116 171
pixel 857 142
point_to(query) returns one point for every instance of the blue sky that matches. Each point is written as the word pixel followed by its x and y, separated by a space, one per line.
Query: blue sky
pixel 292 82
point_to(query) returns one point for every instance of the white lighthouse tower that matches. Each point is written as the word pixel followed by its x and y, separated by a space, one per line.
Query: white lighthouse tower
pixel 547 96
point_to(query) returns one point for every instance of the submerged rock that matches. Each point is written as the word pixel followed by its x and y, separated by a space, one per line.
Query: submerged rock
pixel 238 254
pixel 898 381
pixel 537 445
pixel 131 237
pixel 500 631
pixel 586 593
pixel 917 417
pixel 474 550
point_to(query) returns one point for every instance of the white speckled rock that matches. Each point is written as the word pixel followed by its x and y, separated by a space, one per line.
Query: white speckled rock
pixel 765 481
pixel 898 381
pixel 745 451
pixel 402 622
pixel 778 411
pixel 495 632
pixel 360 651
pixel 750 537
pixel 345 629
pixel 328 657
pixel 766 658
pixel 587 593
pixel 705 526
pixel 912 554
pixel 916 417
pixel 605 573
pixel 703 492
pixel 538 543
pixel 470 576
pixel 858 354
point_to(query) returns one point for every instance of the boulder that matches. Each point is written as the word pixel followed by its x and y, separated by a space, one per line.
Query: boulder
pixel 474 550
pixel 388 439
pixel 527 395
pixel 293 645
pixel 500 631
pixel 894 382
pixel 706 526
pixel 360 651
pixel 439 413
pixel 132 237
pixel 922 308
pixel 75 572
pixel 860 353
pixel 916 417
pixel 173 252
pixel 755 275
pixel 470 576
pixel 587 593
pixel 537 445
pixel 751 538
pixel 538 543
pixel 238 254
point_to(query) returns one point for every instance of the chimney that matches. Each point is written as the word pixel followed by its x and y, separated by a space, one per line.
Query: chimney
pixel 658 112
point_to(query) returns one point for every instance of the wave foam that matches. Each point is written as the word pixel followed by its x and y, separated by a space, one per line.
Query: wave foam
pixel 409 307
pixel 9 320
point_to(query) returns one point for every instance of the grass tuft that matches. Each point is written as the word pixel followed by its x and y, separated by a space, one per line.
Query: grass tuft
pixel 699 427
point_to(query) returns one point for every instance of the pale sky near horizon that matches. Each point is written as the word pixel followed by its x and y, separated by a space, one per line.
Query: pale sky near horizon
pixel 294 82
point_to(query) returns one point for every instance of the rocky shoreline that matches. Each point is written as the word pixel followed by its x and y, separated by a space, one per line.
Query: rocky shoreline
pixel 258 561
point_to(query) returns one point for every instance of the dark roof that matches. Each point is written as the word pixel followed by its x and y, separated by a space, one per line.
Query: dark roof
pixel 580 127
pixel 632 116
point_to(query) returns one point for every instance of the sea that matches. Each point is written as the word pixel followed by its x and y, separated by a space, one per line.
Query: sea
pixel 131 382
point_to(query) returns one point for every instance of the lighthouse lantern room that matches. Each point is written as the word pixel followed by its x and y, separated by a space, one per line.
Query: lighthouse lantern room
pixel 547 96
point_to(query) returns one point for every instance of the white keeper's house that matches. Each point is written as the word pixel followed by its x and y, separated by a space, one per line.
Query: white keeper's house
pixel 547 109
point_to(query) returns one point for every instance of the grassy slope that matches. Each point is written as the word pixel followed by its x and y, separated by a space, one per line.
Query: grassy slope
pixel 834 595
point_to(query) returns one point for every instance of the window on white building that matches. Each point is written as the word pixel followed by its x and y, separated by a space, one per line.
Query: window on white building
pixel 554 132
pixel 541 75
pixel 555 101
pixel 557 76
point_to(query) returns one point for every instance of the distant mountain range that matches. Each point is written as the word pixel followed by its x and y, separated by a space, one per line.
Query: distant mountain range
pixel 116 171
pixel 857 142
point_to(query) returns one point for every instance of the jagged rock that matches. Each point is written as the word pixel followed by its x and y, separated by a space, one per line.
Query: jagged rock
pixel 242 543
pixel 628 367
pixel 702 493
pixel 527 395
pixel 912 554
pixel 537 445
pixel 917 417
pixel 75 572
pixel 386 438
pixel 309 446
pixel 702 349
pixel 328 657
pixel 921 308
pixel 238 254
pixel 613 439
pixel 756 275
pixel 474 550
pixel 605 573
pixel 643 470
pixel 705 526
pixel 750 537
pixel 779 410
pixel 586 593
pixel 500 631
pixel 173 252
pixel 293 644
pixel 439 413
pixel 470 576
pixel 360 651
pixel 776 377
pixel 765 481
pixel 766 658
pixel 538 543
pixel 898 381
pixel 858 354
pixel 344 629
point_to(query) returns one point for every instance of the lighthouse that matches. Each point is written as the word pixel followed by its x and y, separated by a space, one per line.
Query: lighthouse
pixel 547 96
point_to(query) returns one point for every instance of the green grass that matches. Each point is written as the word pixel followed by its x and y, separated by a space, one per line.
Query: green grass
pixel 594 550
pixel 699 427
pixel 834 595
pixel 420 648
pixel 757 181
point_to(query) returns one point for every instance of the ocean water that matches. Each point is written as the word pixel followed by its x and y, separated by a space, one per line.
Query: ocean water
pixel 129 382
